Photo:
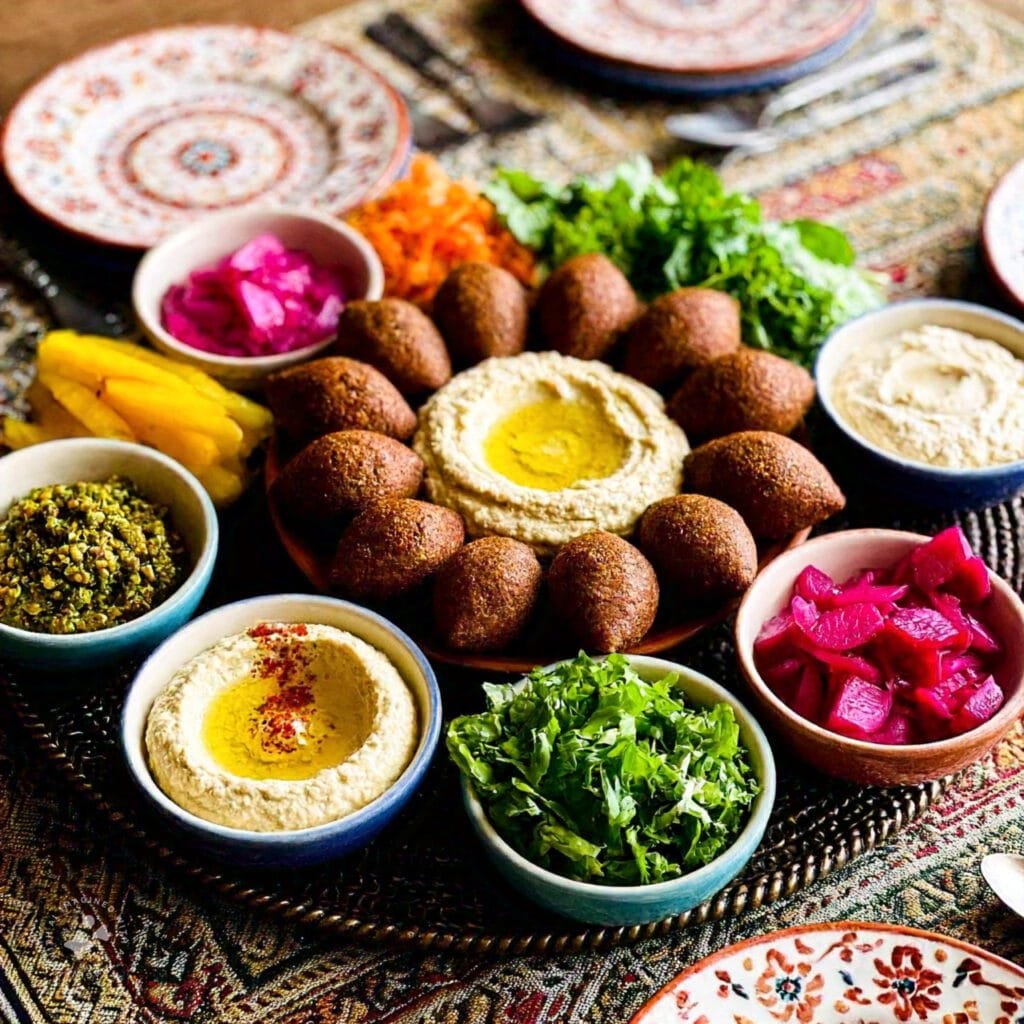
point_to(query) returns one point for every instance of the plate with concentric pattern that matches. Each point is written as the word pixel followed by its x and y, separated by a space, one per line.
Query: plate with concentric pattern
pixel 129 141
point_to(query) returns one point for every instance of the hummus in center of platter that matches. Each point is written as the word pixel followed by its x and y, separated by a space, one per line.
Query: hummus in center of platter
pixel 544 447
pixel 282 727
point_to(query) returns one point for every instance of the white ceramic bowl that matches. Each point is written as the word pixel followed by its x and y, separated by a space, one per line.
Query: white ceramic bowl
pixel 328 241
pixel 639 904
pixel 159 478
pixel 296 846
pixel 935 486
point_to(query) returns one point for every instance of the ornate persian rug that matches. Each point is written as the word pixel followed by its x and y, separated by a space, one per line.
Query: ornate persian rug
pixel 90 933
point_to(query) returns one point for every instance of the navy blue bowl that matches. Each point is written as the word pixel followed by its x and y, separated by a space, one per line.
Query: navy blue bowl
pixel 159 478
pixel 930 486
pixel 296 847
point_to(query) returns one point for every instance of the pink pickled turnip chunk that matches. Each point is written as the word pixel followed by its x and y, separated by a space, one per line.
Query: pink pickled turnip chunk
pixel 809 694
pixel 935 561
pixel 805 615
pixel 844 629
pixel 774 636
pixel 814 585
pixel 783 673
pixel 986 700
pixel 849 664
pixel 971 582
pixel 859 708
pixel 867 593
pixel 982 639
pixel 897 731
pixel 923 627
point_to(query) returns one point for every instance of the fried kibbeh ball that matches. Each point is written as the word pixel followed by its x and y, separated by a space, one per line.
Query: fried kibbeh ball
pixel 604 590
pixel 397 338
pixel 745 390
pixel 585 305
pixel 777 485
pixel 337 393
pixel 393 545
pixel 482 311
pixel 485 594
pixel 699 545
pixel 680 332
pixel 336 475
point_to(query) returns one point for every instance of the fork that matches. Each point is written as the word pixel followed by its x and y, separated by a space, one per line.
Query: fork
pixel 404 40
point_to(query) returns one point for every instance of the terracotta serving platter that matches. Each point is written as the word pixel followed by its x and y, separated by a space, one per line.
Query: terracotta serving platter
pixel 840 973
pixel 543 641
pixel 128 141
pixel 714 37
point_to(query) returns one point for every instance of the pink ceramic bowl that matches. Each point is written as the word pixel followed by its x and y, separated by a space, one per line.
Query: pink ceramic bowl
pixel 841 555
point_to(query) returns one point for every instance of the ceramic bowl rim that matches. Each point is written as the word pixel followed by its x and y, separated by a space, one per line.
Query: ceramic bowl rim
pixel 998 724
pixel 204 558
pixel 944 473
pixel 756 823
pixel 149 317
pixel 429 735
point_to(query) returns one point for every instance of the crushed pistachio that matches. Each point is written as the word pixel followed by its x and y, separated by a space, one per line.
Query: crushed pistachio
pixel 75 558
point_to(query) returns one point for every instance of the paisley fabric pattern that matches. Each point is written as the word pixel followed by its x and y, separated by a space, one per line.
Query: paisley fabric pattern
pixel 89 932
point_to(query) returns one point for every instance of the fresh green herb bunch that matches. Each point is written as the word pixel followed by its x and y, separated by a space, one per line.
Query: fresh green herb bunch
pixel 85 556
pixel 597 774
pixel 794 281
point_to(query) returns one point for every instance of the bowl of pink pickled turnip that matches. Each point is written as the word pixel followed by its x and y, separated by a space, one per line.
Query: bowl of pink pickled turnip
pixel 883 657
pixel 244 293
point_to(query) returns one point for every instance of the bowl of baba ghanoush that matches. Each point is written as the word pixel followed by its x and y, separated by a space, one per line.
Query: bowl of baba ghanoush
pixel 282 730
pixel 929 395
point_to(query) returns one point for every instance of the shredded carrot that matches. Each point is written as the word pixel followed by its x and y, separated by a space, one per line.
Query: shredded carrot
pixel 427 224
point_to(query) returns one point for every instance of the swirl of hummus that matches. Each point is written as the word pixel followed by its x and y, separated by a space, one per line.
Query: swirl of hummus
pixel 937 396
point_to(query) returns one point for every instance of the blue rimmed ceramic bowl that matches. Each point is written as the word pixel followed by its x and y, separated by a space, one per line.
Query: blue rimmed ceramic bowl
pixel 921 484
pixel 159 478
pixel 639 904
pixel 295 847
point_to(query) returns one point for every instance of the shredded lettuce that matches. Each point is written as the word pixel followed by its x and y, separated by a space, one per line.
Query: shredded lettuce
pixel 597 774
pixel 794 281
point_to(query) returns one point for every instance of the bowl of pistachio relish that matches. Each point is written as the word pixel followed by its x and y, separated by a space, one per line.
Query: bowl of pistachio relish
pixel 105 549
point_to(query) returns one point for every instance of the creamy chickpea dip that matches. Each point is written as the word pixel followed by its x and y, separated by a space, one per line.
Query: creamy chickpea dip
pixel 937 396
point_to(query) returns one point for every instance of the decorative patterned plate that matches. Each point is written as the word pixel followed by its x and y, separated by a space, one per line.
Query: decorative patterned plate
pixel 543 642
pixel 1002 233
pixel 713 37
pixel 843 972
pixel 129 141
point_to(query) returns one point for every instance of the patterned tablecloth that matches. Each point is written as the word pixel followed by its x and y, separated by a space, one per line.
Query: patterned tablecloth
pixel 88 933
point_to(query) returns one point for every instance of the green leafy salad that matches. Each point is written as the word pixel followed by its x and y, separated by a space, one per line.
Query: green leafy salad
pixel 599 775
pixel 795 281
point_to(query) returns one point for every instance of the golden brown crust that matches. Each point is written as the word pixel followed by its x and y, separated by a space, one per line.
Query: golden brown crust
pixel 334 476
pixel 744 390
pixel 585 305
pixel 485 593
pixel 393 545
pixel 777 485
pixel 482 311
pixel 337 393
pixel 605 590
pixel 679 332
pixel 397 338
pixel 699 545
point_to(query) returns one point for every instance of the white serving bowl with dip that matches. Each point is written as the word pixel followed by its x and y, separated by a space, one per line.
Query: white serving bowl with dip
pixel 328 241
pixel 292 846
pixel 937 486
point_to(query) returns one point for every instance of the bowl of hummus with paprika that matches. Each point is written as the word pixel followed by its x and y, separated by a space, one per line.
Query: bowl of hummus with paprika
pixel 930 394
pixel 282 730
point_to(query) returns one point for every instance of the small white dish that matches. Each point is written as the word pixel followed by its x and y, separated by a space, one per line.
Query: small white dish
pixel 1004 873
pixel 330 242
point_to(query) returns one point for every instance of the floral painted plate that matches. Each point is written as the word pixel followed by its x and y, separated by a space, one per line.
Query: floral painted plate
pixel 131 140
pixel 1002 233
pixel 843 973
pixel 713 37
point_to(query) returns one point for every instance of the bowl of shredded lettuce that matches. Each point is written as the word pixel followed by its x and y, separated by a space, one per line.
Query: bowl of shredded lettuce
pixel 616 790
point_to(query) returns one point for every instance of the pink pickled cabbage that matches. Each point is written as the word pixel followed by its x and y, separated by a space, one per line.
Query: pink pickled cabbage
pixel 897 655
pixel 261 300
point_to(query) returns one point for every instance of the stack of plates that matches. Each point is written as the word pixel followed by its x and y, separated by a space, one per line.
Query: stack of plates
pixel 701 47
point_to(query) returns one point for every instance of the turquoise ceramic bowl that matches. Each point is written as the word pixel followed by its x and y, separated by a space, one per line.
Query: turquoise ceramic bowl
pixel 640 904
pixel 158 477
pixel 294 847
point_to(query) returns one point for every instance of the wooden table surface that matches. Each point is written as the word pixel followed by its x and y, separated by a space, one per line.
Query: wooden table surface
pixel 36 34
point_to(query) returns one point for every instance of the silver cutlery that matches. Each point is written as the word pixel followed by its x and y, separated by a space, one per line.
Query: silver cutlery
pixel 404 40
pixel 724 126
pixel 430 132
pixel 1004 873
